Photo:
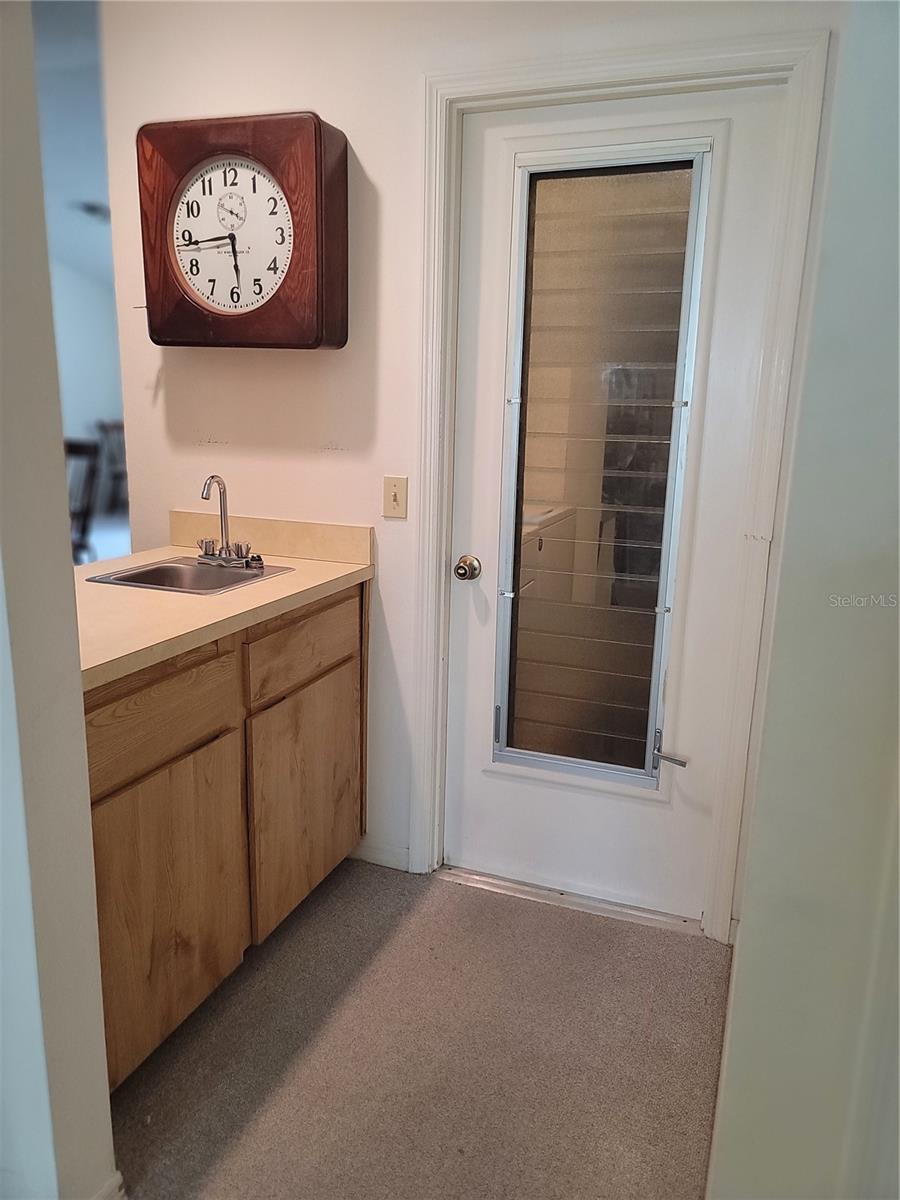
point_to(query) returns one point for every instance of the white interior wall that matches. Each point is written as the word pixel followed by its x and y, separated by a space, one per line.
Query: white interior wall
pixel 27 1159
pixel 54 1059
pixel 310 435
pixel 808 1098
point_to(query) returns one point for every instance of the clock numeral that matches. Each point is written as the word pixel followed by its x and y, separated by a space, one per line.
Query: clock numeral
pixel 257 287
pixel 194 267
pixel 212 286
pixel 273 266
pixel 235 296
pixel 192 208
pixel 186 236
pixel 273 206
pixel 279 235
pixel 253 183
pixel 206 186
pixel 229 171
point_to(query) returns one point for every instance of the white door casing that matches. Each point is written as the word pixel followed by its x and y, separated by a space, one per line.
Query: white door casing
pixel 793 74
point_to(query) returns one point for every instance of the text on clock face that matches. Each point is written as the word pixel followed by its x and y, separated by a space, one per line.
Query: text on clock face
pixel 232 234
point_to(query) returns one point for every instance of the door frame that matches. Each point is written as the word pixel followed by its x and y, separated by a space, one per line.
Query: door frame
pixel 796 62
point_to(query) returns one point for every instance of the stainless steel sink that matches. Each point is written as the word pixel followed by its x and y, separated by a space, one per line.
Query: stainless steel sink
pixel 189 575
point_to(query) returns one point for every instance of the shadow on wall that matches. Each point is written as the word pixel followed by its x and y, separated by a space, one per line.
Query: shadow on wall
pixel 288 400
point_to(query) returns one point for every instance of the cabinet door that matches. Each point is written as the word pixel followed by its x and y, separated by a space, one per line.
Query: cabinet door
pixel 304 792
pixel 170 856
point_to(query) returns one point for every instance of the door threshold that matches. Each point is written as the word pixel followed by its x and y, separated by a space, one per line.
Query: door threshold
pixel 589 904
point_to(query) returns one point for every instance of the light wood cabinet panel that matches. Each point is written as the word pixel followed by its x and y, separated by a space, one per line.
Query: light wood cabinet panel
pixel 211 824
pixel 135 733
pixel 171 865
pixel 304 802
pixel 284 661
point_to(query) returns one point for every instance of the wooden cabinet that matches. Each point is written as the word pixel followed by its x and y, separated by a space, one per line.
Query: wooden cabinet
pixel 290 655
pixel 225 783
pixel 304 801
pixel 172 896
pixel 131 732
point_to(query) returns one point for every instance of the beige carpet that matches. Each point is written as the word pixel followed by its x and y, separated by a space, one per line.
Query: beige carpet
pixel 403 1038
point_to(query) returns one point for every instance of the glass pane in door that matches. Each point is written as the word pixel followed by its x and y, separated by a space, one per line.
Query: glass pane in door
pixel 603 302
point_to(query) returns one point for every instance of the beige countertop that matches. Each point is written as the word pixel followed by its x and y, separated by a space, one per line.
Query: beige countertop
pixel 123 629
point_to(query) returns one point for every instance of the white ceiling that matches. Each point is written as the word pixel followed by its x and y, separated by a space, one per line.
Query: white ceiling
pixel 73 137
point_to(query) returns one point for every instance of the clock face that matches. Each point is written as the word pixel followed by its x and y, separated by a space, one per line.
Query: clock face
pixel 231 234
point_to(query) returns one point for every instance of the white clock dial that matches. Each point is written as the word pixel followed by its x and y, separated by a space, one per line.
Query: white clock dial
pixel 231 234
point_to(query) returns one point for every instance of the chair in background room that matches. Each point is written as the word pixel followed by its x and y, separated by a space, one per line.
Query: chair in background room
pixel 112 438
pixel 82 470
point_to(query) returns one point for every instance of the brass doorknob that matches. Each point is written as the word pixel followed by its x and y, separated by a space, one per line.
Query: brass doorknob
pixel 468 567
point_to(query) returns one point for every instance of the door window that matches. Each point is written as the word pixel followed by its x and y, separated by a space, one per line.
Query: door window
pixel 597 433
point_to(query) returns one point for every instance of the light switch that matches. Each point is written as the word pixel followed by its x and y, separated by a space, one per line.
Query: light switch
pixel 395 487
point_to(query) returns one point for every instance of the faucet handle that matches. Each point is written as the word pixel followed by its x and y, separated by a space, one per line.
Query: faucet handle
pixel 241 549
pixel 208 546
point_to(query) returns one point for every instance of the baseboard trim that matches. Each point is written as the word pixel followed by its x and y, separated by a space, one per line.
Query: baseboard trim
pixel 113 1189
pixel 382 854
pixel 543 895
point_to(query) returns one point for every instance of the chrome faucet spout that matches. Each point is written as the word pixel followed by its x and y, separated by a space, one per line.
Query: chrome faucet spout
pixel 223 510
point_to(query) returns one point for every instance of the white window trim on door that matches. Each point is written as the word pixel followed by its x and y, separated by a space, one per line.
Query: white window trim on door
pixel 795 61
pixel 673 149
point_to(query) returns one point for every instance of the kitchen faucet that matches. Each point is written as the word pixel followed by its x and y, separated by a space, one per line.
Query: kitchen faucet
pixel 225 549
pixel 228 554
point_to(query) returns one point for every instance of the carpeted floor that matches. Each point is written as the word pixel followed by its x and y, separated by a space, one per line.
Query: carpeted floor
pixel 405 1038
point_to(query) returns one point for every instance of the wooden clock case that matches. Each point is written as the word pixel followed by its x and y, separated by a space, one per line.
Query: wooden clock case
pixel 308 158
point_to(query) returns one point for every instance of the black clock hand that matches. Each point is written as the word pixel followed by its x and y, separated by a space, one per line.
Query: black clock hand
pixel 237 269
pixel 203 241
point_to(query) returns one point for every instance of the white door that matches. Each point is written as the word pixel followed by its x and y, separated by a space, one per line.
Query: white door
pixel 614 263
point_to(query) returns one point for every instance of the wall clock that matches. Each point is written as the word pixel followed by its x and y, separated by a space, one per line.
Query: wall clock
pixel 244 227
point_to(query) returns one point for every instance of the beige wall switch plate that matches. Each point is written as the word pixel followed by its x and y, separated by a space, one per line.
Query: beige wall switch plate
pixel 395 487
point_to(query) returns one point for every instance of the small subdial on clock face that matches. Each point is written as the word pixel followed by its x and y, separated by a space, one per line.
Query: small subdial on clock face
pixel 231 210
